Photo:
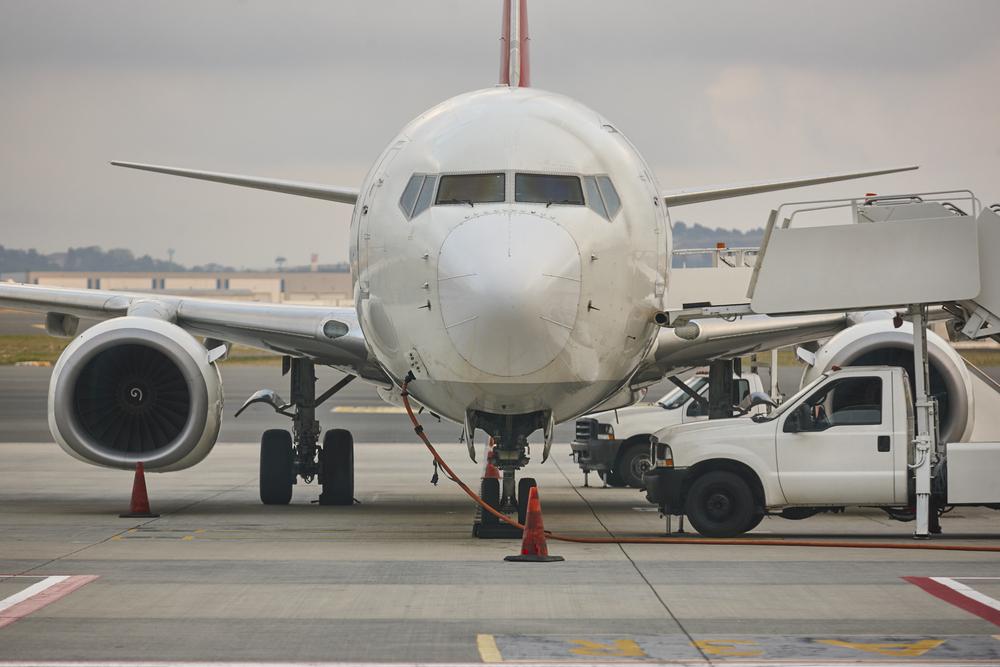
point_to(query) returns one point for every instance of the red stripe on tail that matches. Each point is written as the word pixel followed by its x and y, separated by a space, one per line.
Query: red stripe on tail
pixel 514 57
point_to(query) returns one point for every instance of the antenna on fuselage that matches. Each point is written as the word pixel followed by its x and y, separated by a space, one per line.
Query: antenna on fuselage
pixel 514 57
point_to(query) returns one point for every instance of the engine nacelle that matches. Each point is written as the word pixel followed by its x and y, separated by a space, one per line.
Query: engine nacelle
pixel 877 343
pixel 136 389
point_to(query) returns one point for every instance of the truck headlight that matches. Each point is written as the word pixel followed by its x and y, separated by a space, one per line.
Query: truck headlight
pixel 663 456
pixel 605 432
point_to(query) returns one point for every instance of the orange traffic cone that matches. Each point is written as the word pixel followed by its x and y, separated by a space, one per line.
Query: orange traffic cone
pixel 533 546
pixel 492 472
pixel 139 505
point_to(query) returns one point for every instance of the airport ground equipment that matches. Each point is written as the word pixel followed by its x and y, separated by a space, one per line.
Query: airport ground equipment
pixel 612 539
pixel 615 443
pixel 908 252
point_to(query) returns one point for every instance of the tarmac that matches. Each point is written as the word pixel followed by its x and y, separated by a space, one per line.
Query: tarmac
pixel 399 578
pixel 218 577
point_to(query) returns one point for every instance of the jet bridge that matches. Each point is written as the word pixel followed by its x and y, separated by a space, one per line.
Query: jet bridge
pixel 905 252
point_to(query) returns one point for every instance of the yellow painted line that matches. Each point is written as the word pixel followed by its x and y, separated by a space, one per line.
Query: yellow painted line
pixel 187 538
pixel 370 409
pixel 488 651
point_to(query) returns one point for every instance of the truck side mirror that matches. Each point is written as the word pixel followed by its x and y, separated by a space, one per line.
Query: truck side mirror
pixel 753 400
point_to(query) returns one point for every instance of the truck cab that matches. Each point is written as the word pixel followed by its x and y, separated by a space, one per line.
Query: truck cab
pixel 615 443
pixel 844 439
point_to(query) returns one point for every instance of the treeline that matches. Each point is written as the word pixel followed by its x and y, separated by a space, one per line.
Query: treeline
pixel 94 258
pixel 698 236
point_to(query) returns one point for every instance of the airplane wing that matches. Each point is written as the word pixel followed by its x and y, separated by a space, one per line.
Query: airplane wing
pixel 721 339
pixel 696 195
pixel 314 190
pixel 330 336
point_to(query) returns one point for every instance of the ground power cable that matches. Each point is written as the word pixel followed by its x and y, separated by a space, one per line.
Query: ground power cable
pixel 756 542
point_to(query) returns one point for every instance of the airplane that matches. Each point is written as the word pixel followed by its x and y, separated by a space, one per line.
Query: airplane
pixel 510 248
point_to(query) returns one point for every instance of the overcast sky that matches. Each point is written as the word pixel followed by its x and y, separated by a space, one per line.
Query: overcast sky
pixel 710 92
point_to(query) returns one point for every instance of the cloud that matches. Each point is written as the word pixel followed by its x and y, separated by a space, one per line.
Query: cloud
pixel 710 92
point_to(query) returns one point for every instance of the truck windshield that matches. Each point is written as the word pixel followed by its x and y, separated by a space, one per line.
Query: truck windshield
pixel 783 408
pixel 678 397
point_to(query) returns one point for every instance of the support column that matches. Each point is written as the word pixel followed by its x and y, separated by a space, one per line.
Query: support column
pixel 720 389
pixel 925 443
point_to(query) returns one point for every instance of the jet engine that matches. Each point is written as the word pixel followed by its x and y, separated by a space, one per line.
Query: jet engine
pixel 136 389
pixel 879 343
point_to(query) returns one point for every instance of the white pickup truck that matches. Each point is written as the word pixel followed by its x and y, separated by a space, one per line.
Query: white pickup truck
pixel 846 439
pixel 615 443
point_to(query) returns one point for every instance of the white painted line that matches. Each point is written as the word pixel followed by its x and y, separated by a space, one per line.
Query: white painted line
pixel 968 591
pixel 369 409
pixel 31 591
pixel 34 597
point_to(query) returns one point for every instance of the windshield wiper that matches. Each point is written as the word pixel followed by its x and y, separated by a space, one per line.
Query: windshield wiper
pixel 457 201
pixel 561 201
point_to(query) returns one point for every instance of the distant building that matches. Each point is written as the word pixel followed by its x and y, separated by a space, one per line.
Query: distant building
pixel 331 289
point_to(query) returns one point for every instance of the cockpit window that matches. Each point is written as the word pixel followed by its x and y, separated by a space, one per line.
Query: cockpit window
pixel 417 195
pixel 594 199
pixel 611 200
pixel 548 189
pixel 602 196
pixel 472 189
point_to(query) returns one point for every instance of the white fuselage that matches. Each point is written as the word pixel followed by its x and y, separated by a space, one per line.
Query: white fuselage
pixel 510 307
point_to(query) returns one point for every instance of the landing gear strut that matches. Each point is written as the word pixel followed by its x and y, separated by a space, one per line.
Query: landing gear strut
pixel 284 456
pixel 509 453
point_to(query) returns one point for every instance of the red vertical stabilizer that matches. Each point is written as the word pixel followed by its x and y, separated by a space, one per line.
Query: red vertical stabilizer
pixel 515 69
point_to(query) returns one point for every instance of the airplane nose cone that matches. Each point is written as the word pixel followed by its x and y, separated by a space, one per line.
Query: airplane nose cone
pixel 509 287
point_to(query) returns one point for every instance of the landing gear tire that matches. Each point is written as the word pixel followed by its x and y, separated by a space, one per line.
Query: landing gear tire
pixel 633 464
pixel 490 493
pixel 336 468
pixel 720 504
pixel 523 490
pixel 277 472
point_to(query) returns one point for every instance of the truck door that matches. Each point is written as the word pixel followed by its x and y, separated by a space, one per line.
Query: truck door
pixel 835 447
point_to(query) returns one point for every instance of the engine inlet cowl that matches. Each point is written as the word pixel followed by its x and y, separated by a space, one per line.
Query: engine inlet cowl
pixel 136 389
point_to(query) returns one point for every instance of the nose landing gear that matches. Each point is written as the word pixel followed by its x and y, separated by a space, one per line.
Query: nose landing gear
pixel 508 494
pixel 285 457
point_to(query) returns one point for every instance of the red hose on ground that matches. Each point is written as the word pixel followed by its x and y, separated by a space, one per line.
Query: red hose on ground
pixel 743 541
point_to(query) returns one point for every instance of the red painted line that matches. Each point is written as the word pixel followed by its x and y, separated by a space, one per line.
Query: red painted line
pixel 952 596
pixel 43 598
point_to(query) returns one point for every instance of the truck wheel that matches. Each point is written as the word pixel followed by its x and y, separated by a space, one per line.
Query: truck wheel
pixel 633 464
pixel 720 504
pixel 758 517
pixel 614 478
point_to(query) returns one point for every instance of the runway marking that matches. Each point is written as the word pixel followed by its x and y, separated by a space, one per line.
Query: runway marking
pixel 728 648
pixel 962 596
pixel 892 649
pixel 369 409
pixel 744 650
pixel 36 596
pixel 488 651
pixel 618 648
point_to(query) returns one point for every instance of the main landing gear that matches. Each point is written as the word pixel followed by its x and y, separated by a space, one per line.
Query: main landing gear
pixel 286 456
